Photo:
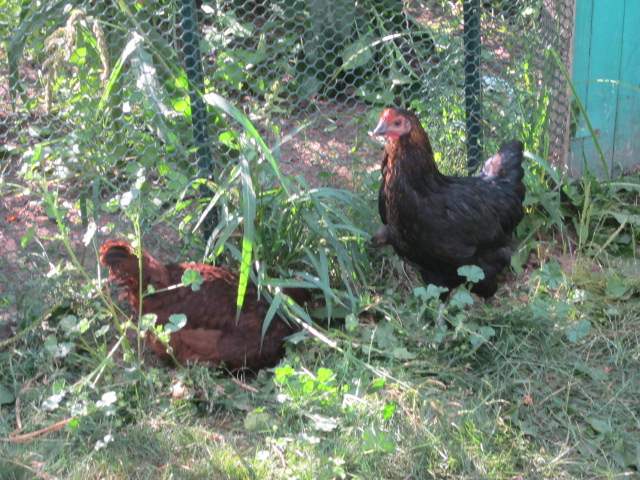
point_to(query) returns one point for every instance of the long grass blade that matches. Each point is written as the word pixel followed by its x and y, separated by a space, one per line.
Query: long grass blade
pixel 583 111
pixel 216 100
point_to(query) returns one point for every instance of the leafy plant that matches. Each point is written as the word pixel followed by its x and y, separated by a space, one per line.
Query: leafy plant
pixel 541 385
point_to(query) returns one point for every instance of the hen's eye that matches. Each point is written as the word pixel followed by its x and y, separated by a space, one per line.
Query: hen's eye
pixel 397 123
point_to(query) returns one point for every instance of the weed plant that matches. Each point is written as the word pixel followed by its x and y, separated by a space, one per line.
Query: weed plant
pixel 542 383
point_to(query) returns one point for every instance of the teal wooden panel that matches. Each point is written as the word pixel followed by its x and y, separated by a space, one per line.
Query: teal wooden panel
pixel 604 39
pixel 580 77
pixel 626 154
pixel 602 97
pixel 606 75
pixel 581 48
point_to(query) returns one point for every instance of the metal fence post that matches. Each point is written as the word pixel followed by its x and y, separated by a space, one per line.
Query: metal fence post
pixel 195 77
pixel 472 83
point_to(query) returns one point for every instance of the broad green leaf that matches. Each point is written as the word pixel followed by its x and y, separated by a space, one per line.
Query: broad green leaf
pixel 258 421
pixel 148 321
pixel 578 331
pixel 248 205
pixel 57 350
pixel 401 353
pixel 616 288
pixel 182 106
pixel 472 273
pixel 377 385
pixel 600 426
pixel 428 293
pixel 192 278
pixel 283 373
pixel 351 322
pixel 388 411
pixel 357 54
pixel 6 396
pixel 551 274
pixel 385 337
pixel 325 375
pixel 176 322
pixel 273 308
pixel 68 322
pixel 461 298
pixel 539 307
pixel 482 336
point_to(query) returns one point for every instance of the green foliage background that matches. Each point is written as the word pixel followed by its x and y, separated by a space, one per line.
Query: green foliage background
pixel 97 137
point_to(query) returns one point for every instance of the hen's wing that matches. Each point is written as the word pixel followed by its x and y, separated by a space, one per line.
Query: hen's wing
pixel 461 217
pixel 213 306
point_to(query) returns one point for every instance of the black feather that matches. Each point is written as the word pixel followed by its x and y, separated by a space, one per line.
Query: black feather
pixel 439 223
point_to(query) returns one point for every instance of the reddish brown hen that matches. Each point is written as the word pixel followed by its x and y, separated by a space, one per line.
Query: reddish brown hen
pixel 438 223
pixel 211 333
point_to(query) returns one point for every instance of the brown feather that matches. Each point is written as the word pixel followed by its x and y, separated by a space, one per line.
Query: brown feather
pixel 211 333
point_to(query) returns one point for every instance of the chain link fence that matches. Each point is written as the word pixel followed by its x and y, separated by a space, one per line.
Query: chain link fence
pixel 104 105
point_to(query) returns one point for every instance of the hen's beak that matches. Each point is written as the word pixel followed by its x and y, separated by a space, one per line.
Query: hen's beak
pixel 380 129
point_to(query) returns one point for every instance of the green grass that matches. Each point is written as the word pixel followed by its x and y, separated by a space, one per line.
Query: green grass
pixel 546 396
pixel 543 385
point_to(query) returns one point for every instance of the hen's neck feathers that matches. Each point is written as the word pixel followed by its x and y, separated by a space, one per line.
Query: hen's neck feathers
pixel 412 152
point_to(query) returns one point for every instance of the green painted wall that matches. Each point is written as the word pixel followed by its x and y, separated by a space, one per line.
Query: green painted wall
pixel 606 74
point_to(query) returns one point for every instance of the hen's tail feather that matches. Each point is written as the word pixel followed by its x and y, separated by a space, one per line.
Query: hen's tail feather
pixel 505 167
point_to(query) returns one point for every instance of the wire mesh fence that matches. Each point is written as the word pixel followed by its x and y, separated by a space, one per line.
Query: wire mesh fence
pixel 107 105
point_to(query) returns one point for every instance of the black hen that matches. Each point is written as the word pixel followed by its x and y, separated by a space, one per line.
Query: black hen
pixel 438 223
